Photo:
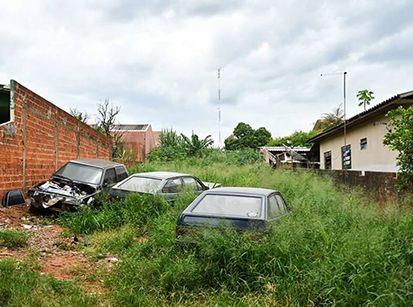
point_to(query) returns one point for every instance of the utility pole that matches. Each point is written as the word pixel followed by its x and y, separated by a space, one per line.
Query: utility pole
pixel 219 107
pixel 345 115
pixel 344 99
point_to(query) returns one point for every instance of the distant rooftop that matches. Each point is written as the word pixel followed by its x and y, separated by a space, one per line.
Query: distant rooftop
pixel 127 127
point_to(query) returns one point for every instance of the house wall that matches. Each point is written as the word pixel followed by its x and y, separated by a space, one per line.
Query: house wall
pixel 134 142
pixel 138 143
pixel 157 138
pixel 40 139
pixel 377 157
pixel 150 142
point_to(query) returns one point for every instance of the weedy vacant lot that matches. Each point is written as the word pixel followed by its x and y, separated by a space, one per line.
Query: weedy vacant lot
pixel 336 248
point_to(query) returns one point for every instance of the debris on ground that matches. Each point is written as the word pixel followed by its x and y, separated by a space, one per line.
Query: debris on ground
pixel 54 253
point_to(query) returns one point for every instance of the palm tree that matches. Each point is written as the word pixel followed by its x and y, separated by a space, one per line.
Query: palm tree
pixel 365 96
pixel 329 120
pixel 194 145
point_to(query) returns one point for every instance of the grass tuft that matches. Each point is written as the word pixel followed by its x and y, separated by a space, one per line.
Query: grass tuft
pixel 11 238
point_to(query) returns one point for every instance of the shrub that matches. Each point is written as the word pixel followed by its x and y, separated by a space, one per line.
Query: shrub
pixel 13 238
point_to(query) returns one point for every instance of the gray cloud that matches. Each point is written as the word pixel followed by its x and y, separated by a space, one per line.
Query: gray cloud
pixel 158 59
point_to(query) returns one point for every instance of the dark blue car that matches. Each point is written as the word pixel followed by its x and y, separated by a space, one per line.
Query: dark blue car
pixel 239 207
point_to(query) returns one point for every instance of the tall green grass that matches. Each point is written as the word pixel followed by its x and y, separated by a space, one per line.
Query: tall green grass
pixel 336 248
pixel 20 286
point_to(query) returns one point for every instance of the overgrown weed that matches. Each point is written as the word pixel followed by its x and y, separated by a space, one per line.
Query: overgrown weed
pixel 335 248
pixel 12 238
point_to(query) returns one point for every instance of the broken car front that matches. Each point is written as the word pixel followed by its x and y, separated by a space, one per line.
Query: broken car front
pixel 76 183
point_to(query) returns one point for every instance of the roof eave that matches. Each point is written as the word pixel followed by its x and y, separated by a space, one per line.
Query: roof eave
pixel 386 105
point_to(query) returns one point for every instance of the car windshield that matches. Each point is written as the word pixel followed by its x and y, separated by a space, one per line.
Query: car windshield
pixel 230 205
pixel 141 184
pixel 80 172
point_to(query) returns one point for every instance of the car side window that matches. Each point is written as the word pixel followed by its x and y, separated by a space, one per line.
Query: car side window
pixel 192 183
pixel 110 176
pixel 172 186
pixel 121 173
pixel 281 204
pixel 273 208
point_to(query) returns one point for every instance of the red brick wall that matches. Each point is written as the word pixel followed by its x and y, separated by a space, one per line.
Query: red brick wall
pixel 45 138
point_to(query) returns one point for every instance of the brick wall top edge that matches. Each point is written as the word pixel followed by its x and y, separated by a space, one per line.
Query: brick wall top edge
pixel 18 87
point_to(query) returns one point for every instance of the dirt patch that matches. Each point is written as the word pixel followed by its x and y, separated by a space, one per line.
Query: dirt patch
pixel 50 251
pixel 13 217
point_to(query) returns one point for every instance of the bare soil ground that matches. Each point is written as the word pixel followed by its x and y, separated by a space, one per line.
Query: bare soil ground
pixel 49 250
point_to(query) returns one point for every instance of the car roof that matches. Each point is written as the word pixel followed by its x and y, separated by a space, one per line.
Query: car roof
pixel 241 190
pixel 160 175
pixel 97 162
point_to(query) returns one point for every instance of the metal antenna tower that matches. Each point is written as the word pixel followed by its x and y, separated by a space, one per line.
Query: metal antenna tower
pixel 219 107
pixel 344 99
pixel 345 117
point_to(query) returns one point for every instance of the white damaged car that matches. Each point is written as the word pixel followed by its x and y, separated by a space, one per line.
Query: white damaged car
pixel 76 183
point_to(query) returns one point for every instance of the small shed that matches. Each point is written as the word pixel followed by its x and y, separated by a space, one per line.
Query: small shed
pixel 286 156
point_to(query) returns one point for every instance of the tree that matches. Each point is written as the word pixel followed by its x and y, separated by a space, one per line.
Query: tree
pixel 244 136
pixel 243 130
pixel 329 120
pixel 400 138
pixel 193 146
pixel 365 96
pixel 106 124
pixel 297 138
pixel 82 116
pixel 177 147
pixel 169 138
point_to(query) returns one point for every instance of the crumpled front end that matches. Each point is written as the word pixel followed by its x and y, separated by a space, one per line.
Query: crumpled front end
pixel 60 196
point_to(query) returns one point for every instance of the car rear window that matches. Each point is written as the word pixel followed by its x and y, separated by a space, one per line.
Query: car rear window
pixel 230 205
pixel 141 184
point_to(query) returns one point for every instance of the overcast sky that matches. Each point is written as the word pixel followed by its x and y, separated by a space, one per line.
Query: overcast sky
pixel 158 60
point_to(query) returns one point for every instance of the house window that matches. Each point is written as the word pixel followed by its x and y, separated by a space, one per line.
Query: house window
pixel 327 160
pixel 346 156
pixel 363 144
pixel 4 106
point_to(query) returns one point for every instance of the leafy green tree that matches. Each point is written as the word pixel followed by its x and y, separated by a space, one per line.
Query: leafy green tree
pixel 243 130
pixel 244 136
pixel 365 96
pixel 193 146
pixel 400 138
pixel 297 138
